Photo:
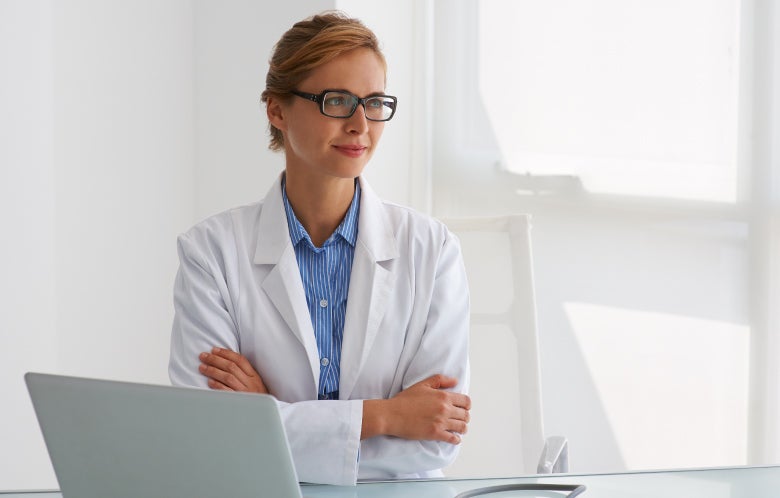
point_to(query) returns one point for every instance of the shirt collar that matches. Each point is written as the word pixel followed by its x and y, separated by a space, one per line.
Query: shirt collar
pixel 347 229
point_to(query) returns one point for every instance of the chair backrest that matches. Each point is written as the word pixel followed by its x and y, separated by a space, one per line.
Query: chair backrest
pixel 506 434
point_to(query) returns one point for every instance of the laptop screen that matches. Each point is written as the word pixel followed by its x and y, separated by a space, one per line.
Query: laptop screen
pixel 120 439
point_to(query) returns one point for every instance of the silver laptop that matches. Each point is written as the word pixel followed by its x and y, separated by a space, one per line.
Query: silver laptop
pixel 110 439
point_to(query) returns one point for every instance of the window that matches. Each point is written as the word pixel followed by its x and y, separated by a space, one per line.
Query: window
pixel 629 98
pixel 641 137
pixel 634 98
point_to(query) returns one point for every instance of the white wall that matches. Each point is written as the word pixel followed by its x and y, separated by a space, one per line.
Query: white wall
pixel 123 153
pixel 27 215
pixel 99 179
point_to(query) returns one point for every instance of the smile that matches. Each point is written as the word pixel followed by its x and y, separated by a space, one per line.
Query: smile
pixel 351 150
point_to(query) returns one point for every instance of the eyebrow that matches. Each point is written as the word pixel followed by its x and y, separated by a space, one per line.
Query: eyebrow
pixel 374 94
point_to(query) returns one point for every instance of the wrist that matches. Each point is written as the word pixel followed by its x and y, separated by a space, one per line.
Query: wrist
pixel 374 418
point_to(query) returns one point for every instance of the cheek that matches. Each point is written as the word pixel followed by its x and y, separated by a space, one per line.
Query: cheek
pixel 301 136
pixel 376 132
pixel 316 131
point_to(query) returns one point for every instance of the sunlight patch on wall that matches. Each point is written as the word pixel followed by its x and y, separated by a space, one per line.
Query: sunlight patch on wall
pixel 674 388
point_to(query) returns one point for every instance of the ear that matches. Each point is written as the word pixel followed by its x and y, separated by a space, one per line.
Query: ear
pixel 274 109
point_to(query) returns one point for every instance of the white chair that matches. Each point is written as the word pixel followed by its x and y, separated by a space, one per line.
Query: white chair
pixel 506 434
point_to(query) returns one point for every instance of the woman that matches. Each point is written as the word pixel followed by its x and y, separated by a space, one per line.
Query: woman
pixel 350 311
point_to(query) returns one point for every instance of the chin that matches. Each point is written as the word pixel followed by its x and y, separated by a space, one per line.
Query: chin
pixel 350 170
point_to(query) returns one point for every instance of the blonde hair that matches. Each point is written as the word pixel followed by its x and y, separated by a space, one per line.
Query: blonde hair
pixel 307 45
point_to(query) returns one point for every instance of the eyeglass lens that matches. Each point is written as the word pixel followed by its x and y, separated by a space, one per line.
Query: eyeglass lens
pixel 341 104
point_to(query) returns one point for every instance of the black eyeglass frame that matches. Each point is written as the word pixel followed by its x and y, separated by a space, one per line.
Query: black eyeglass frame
pixel 320 99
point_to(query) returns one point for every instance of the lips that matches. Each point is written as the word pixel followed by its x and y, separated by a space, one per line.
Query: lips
pixel 351 150
pixel 351 147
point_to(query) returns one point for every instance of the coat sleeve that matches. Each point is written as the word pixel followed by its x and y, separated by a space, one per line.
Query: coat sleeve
pixel 203 316
pixel 442 349
pixel 324 437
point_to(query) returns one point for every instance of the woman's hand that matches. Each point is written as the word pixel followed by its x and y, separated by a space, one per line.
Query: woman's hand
pixel 230 371
pixel 424 411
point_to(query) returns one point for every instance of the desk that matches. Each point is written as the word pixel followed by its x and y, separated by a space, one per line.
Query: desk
pixel 740 482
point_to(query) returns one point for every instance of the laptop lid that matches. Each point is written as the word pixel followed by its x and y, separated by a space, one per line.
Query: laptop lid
pixel 120 439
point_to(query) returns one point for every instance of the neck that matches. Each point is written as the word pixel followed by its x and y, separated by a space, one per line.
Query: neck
pixel 319 205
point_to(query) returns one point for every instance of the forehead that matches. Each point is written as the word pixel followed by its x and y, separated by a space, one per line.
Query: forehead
pixel 361 71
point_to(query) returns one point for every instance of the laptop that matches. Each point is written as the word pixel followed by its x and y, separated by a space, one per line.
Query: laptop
pixel 125 440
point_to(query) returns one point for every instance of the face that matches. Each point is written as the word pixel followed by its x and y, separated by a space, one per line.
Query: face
pixel 318 145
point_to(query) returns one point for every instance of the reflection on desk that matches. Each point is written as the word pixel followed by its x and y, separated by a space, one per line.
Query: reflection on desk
pixel 738 482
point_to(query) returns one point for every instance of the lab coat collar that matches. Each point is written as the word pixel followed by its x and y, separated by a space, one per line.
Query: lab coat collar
pixel 374 230
pixel 273 236
pixel 370 287
pixel 283 283
pixel 371 282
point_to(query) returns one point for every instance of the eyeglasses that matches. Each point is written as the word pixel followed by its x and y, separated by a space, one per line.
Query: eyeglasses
pixel 342 104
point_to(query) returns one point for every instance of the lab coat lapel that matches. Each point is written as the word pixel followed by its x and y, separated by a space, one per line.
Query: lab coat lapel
pixel 283 282
pixel 370 287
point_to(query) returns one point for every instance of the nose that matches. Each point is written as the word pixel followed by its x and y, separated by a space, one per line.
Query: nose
pixel 357 124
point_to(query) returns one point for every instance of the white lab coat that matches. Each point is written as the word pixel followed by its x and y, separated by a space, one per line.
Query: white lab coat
pixel 239 287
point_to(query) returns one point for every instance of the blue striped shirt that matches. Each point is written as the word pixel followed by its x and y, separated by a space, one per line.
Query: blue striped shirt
pixel 325 273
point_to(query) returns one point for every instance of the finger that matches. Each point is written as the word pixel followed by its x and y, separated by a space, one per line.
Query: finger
pixel 214 360
pixel 457 400
pixel 224 377
pixel 447 437
pixel 461 414
pixel 461 401
pixel 240 366
pixel 209 360
pixel 440 381
pixel 458 426
pixel 224 364
pixel 236 358
pixel 218 386
pixel 221 361
pixel 232 374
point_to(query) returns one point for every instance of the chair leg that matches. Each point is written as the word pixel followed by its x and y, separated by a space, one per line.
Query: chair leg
pixel 555 456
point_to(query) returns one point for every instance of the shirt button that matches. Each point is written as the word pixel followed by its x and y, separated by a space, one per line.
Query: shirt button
pixel 323 303
pixel 324 362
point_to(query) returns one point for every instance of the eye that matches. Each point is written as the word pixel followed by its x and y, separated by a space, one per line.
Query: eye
pixel 374 103
pixel 335 100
